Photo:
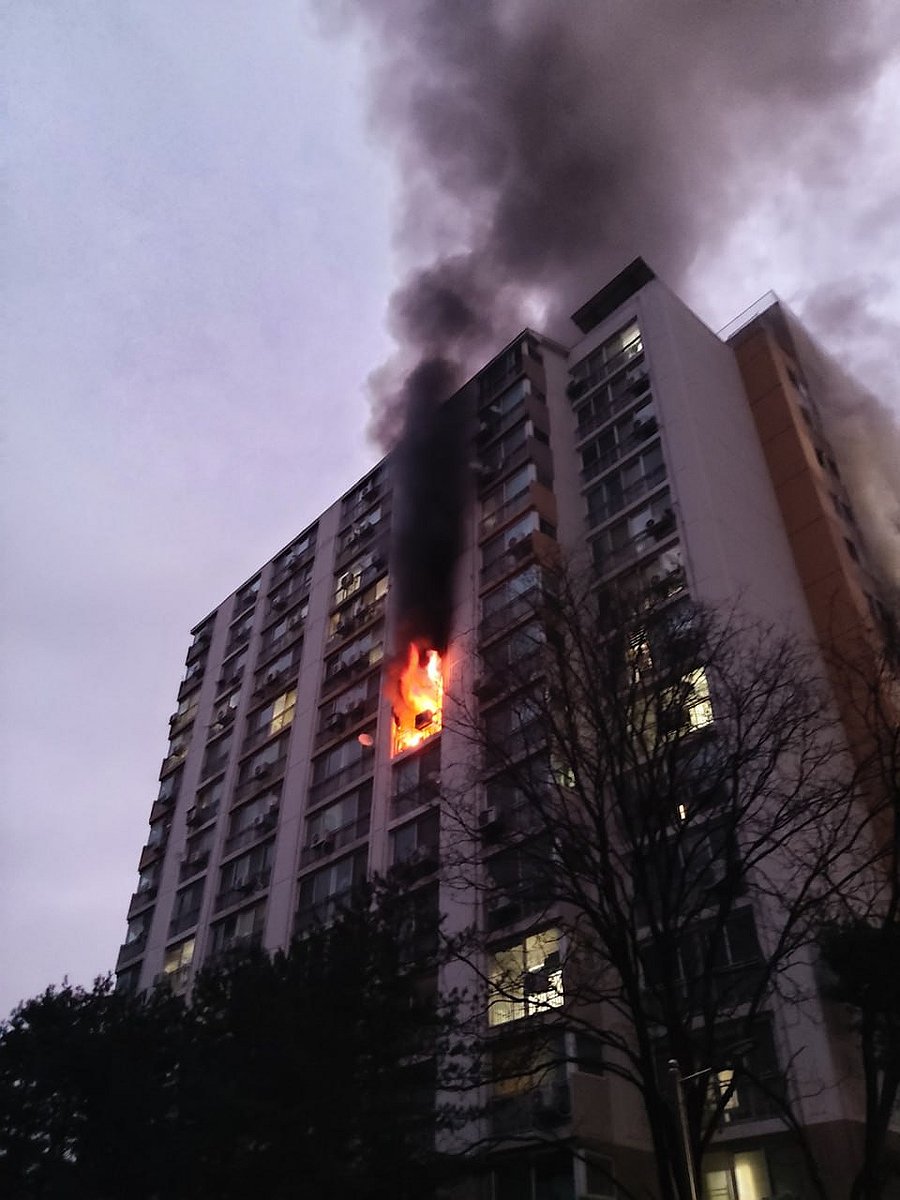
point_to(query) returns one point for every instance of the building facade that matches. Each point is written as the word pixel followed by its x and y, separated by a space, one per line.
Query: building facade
pixel 649 447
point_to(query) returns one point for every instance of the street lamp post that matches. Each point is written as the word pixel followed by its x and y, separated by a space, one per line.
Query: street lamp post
pixel 679 1080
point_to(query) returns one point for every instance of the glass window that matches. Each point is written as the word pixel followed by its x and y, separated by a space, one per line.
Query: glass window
pixel 525 978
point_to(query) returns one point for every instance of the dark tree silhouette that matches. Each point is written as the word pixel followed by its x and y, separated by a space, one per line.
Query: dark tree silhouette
pixel 669 791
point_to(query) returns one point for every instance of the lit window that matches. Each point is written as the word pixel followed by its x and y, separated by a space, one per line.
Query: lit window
pixel 699 706
pixel 283 711
pixel 178 956
pixel 526 978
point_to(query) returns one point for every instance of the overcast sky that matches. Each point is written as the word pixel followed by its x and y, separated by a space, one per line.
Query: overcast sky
pixel 200 245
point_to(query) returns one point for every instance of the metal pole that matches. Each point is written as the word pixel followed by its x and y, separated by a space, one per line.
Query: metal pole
pixel 675 1072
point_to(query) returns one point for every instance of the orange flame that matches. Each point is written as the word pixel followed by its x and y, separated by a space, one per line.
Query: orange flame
pixel 418 699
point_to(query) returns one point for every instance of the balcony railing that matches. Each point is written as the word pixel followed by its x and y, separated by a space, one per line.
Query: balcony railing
pixel 600 513
pixel 341 779
pixel 184 920
pixel 337 722
pixel 613 560
pixel 292 566
pixel 591 421
pixel 131 950
pixel 509 560
pixel 234 947
pixel 328 842
pixel 540 1108
pixel 193 865
pixel 412 798
pixel 322 912
pixel 142 899
pixel 261 776
pixel 506 511
pixel 255 832
pixel 258 881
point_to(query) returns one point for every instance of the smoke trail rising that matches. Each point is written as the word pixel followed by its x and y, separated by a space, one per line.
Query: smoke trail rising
pixel 544 144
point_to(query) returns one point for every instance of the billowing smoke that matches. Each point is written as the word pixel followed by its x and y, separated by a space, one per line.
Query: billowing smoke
pixel 542 144
pixel 861 429
pixel 429 463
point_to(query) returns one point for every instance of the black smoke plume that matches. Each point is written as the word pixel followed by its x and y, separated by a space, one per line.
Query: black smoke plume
pixel 543 144
pixel 429 492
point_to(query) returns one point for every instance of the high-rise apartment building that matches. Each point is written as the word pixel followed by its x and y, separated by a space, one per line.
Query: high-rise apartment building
pixel 649 447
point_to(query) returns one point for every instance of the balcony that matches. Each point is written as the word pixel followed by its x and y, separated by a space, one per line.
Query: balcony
pixel 518 610
pixel 292 566
pixel 334 725
pixel 328 842
pixel 184 920
pixel 262 776
pixel 322 912
pixel 540 1108
pixel 161 808
pixel 599 514
pixel 201 814
pixel 415 797
pixel 198 648
pixel 152 852
pixel 609 561
pixel 351 623
pixel 192 865
pixel 262 825
pixel 272 683
pixel 259 737
pixel 295 631
pixel 175 759
pixel 176 981
pixel 341 779
pixel 641 432
pixel 353 668
pixel 234 947
pixel 141 899
pixel 192 680
pixel 238 638
pixel 251 886
pixel 231 676
pixel 129 951
pixel 511 903
pixel 179 721
pixel 631 356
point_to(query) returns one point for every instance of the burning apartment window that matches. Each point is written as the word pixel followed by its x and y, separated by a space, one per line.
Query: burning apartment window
pixel 525 978
pixel 417 698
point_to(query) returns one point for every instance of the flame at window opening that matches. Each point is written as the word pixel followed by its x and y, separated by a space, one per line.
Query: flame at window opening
pixel 417 699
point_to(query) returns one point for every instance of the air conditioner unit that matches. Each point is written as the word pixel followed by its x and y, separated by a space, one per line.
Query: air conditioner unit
pixel 367 490
pixel 225 713
pixel 250 884
pixel 261 770
pixel 346 581
pixel 277 602
pixel 335 721
pixel 356 709
pixel 322 843
pixel 296 621
pixel 576 388
pixel 482 470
